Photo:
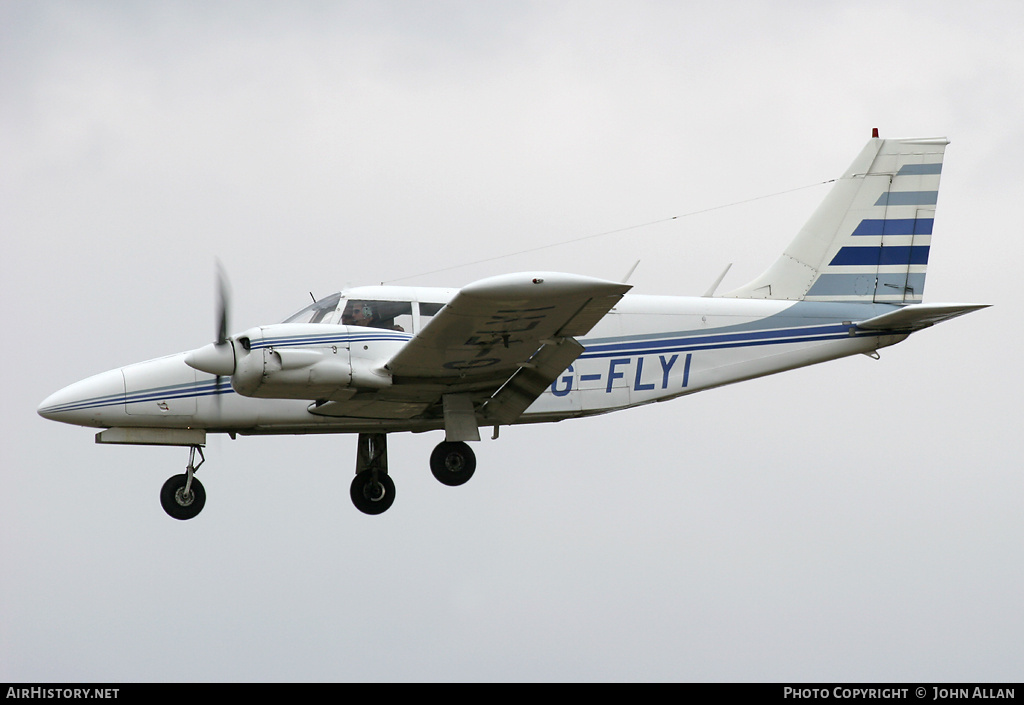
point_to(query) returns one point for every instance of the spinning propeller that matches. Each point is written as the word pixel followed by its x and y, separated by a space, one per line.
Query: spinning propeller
pixel 217 358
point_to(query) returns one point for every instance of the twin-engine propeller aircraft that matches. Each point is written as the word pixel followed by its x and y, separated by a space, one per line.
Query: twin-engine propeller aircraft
pixel 534 347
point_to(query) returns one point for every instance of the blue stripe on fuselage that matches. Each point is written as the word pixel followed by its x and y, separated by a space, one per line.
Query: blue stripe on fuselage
pixel 330 339
pixel 646 344
pixel 628 346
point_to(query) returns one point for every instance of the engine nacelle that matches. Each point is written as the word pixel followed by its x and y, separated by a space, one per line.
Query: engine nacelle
pixel 309 361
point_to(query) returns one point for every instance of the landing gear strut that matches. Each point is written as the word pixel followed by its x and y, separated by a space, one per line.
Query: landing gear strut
pixel 183 496
pixel 372 491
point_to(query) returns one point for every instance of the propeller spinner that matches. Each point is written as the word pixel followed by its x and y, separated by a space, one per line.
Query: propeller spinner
pixel 217 358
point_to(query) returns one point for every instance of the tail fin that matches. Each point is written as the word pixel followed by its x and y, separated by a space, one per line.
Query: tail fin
pixel 869 239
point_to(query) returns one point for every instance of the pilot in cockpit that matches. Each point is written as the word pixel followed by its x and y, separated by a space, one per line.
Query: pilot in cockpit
pixel 357 313
pixel 361 313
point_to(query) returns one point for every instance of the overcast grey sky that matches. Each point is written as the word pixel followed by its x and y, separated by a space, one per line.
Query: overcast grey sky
pixel 860 520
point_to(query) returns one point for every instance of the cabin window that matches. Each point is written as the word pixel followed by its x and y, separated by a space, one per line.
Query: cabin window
pixel 388 315
pixel 428 311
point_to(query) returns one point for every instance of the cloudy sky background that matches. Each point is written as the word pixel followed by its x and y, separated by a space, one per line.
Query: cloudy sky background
pixel 860 520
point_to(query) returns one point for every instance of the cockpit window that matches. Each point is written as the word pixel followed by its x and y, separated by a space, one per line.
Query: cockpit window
pixel 389 315
pixel 371 313
pixel 318 312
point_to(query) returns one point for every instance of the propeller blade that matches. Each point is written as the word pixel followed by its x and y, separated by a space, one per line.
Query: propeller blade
pixel 223 304
pixel 218 359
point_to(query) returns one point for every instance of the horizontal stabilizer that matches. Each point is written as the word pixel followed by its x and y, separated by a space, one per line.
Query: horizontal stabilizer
pixel 918 316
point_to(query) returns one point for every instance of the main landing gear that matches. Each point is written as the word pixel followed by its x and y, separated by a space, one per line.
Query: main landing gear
pixel 453 463
pixel 183 496
pixel 373 490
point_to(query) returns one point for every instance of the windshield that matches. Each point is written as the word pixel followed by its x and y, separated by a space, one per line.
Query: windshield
pixel 318 312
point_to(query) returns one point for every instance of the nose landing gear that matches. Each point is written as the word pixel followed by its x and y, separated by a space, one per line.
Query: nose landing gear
pixel 183 496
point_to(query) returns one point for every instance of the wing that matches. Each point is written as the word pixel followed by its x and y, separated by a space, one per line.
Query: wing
pixel 493 326
pixel 492 350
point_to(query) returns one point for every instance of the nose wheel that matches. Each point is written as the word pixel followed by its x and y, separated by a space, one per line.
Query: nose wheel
pixel 183 496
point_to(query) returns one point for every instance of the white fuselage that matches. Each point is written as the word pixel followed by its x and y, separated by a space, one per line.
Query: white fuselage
pixel 648 348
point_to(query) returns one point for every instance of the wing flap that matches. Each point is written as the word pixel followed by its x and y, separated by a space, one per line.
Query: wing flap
pixel 530 381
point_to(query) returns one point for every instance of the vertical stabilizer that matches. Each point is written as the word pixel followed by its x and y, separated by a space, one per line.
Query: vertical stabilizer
pixel 869 239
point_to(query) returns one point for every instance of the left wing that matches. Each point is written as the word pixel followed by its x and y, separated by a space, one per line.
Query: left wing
pixel 493 349
pixel 495 325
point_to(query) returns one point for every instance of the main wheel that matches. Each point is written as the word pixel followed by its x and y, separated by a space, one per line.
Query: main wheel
pixel 178 504
pixel 453 463
pixel 372 497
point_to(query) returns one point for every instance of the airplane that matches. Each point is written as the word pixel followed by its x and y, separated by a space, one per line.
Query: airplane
pixel 533 347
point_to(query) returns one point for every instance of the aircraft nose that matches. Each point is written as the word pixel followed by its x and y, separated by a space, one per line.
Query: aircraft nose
pixel 90 402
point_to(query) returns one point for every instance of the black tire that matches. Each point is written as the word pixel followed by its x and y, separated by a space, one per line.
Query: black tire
pixel 174 501
pixel 370 497
pixel 453 463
